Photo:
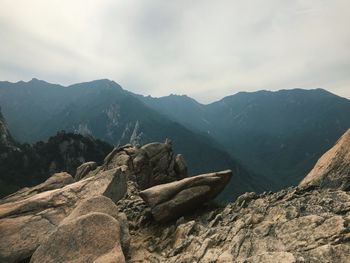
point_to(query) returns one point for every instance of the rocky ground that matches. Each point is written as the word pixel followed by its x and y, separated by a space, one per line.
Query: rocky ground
pixel 140 207
pixel 293 225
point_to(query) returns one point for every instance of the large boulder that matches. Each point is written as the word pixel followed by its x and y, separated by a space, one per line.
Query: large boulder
pixel 105 205
pixel 90 238
pixel 172 200
pixel 96 230
pixel 333 169
pixel 25 223
pixel 149 165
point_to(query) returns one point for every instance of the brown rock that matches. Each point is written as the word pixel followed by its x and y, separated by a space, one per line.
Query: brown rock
pixel 333 169
pixel 58 180
pixel 105 205
pixel 25 223
pixel 172 200
pixel 94 237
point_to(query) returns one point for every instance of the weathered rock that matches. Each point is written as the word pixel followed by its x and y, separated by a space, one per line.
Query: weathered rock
pixel 84 169
pixel 94 237
pixel 150 165
pixel 25 223
pixel 306 224
pixel 105 205
pixel 48 250
pixel 294 225
pixel 169 201
pixel 333 169
pixel 58 180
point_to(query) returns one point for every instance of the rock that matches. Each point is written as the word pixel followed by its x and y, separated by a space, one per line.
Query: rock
pixel 105 205
pixel 333 169
pixel 80 222
pixel 169 201
pixel 180 166
pixel 150 165
pixel 50 248
pixel 272 257
pixel 25 223
pixel 94 237
pixel 84 170
pixel 293 225
pixel 56 181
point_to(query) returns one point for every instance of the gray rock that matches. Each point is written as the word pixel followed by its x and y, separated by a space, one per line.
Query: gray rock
pixel 150 165
pixel 84 169
pixel 301 226
pixel 172 200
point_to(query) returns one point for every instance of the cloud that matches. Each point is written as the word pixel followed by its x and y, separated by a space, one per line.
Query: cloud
pixel 206 49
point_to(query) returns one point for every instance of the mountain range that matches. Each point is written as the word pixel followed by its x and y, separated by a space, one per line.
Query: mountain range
pixel 277 135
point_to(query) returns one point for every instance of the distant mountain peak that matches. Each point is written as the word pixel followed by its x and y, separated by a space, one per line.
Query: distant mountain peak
pixel 35 80
pixel 99 83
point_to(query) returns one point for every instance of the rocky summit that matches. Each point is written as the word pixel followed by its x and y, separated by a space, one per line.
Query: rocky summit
pixel 141 206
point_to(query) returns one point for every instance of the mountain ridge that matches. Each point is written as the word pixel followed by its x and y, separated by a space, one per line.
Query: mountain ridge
pixel 111 114
pixel 277 134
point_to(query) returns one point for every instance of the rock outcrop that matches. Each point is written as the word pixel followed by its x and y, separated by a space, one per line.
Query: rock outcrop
pixel 294 225
pixel 27 221
pixel 94 234
pixel 109 216
pixel 149 165
pixel 172 200
pixel 333 169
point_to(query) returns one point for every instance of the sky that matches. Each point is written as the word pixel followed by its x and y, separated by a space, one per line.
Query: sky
pixel 203 48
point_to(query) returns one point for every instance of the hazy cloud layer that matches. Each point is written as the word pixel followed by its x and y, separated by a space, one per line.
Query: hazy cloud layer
pixel 206 49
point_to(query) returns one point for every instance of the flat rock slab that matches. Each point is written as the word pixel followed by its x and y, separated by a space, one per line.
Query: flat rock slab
pixel 172 200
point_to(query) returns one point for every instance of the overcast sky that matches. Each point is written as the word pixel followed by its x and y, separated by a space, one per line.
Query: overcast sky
pixel 203 48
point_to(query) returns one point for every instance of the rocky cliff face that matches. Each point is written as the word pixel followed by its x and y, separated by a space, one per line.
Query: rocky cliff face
pixel 5 137
pixel 124 211
pixel 333 168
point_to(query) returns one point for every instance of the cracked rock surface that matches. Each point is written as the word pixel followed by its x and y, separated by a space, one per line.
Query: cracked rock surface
pixel 293 225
